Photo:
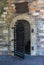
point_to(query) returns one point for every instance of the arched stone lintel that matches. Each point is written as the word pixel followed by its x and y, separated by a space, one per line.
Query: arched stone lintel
pixel 19 17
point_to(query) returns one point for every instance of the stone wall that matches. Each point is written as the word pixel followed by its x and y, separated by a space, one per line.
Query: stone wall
pixel 36 11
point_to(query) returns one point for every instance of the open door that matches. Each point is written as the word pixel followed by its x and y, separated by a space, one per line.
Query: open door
pixel 19 47
pixel 22 43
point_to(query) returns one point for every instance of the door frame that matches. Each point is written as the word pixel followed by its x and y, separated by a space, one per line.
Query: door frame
pixel 31 21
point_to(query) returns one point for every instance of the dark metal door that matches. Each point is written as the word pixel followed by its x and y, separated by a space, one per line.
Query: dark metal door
pixel 19 40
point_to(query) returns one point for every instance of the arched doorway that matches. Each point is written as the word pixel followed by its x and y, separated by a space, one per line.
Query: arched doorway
pixel 22 38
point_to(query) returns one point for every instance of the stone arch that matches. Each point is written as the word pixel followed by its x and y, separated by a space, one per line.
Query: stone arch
pixel 24 17
pixel 19 17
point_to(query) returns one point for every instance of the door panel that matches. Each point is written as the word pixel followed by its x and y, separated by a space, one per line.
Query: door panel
pixel 19 40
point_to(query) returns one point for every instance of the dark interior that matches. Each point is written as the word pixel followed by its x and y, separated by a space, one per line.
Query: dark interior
pixel 23 8
pixel 23 36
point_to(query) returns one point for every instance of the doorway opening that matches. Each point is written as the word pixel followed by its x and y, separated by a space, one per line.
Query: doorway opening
pixel 22 38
